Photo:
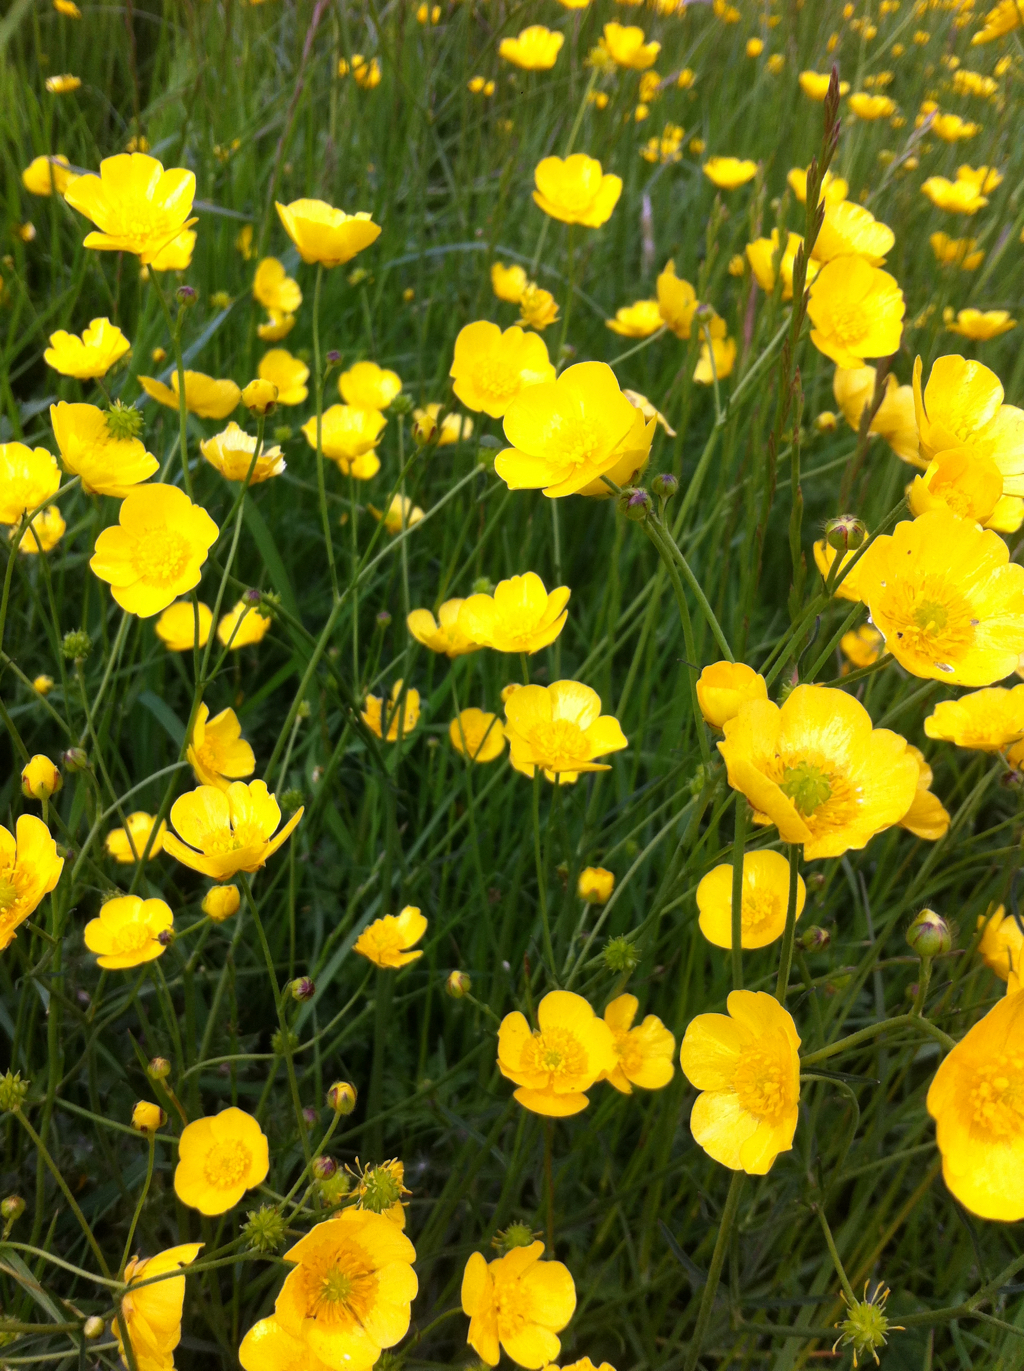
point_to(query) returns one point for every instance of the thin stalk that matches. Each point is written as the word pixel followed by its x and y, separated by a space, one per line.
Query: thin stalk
pixel 732 1202
pixel 786 960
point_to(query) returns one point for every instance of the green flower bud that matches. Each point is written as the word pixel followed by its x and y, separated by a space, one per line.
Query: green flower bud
pixel 635 504
pixel 929 934
pixel 515 1235
pixel 12 1091
pixel 281 1044
pixel 76 645
pixel 265 1229
pixel 620 955
pixel 124 421
pixel 845 533
pixel 93 1328
pixel 458 985
pixel 342 1096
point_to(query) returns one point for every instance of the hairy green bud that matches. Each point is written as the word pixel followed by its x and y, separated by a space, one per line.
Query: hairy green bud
pixel 124 421
pixel 12 1091
pixel 265 1229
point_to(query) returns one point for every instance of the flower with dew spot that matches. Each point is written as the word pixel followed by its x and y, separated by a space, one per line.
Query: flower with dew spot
pixel 126 845
pixel 644 1053
pixel 89 356
pixel 560 729
pixel 228 831
pixel 217 752
pixel 553 1067
pixel 519 1303
pixel 29 870
pixel 219 1159
pixel 521 615
pixel 127 932
pixel 764 900
pixel 386 941
pixel 135 204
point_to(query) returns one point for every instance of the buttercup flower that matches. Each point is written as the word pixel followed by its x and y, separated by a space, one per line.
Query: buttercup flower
pixel 538 308
pixel 219 1159
pixel 92 355
pixel 958 480
pixel 326 235
pixel 724 687
pixel 638 320
pixel 536 48
pixel 399 720
pixel 833 188
pixel 871 107
pixel 927 817
pixel 176 627
pixel 984 178
pixel 386 941
pixel 64 84
pixel 243 626
pixel 277 326
pixel 443 634
pixel 454 427
pixel 228 831
pixel 152 1312
pixel 135 204
pixel 348 437
pixel 521 616
pixel 1002 944
pixel 127 932
pixel 857 312
pixel 274 288
pixel 44 175
pixel 286 372
pixel 717 360
pixel 762 254
pixel 824 557
pixel 850 230
pixel 987 720
pixel 1001 20
pixel 231 452
pixel 490 368
pixel 956 252
pixel 109 461
pixel 269 1347
pixel 815 85
pixel 29 870
pixel 126 845
pixel 40 778
pixel 560 729
pixel 576 191
pixel 946 598
pixel 217 752
pixel 763 904
pixel 981 325
pixel 962 407
pixel 624 44
pixel 818 770
pixel 28 478
pixel 895 420
pixel 476 735
pixel 368 386
pixel 677 301
pixel 204 396
pixel 747 1065
pixel 644 1053
pixel 952 129
pixel 518 1303
pixel 508 283
pixel 156 551
pixel 555 1065
pixel 177 254
pixel 44 532
pixel 729 172
pixel 595 885
pixel 401 513
pixel 862 646
pixel 958 197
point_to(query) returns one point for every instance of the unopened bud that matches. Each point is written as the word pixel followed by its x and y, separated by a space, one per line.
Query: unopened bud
pixel 11 1209
pixel 401 404
pixel 39 778
pixel 221 902
pixel 292 800
pixel 75 759
pixel 186 295
pixel 92 1328
pixel 265 1230
pixel 826 421
pixel 929 934
pixel 158 1069
pixel 12 1091
pixel 341 1097
pixel 76 645
pixel 845 533
pixel 147 1117
pixel 458 985
pixel 383 618
pixel 165 937
pixel 665 485
pixel 282 434
pixel 302 989
pixel 483 585
pixel 635 504
pixel 333 357
pixel 324 1168
pixel 260 397
pixel 815 939
pixel 309 1114
pixel 515 1235
pixel 252 596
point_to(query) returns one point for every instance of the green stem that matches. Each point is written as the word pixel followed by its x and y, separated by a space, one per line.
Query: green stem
pixel 542 890
pixel 786 960
pixel 864 1035
pixel 318 383
pixel 851 1298
pixel 56 1173
pixel 739 843
pixel 707 1301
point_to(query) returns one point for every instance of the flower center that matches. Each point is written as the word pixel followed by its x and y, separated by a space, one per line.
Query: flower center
pixel 759 908
pixel 806 785
pixel 161 556
pixel 997 1097
pixel 8 893
pixel 232 839
pixel 497 379
pixel 931 620
pixel 130 938
pixel 760 1086
pixel 227 1165
pixel 556 1051
pixel 848 325
pixel 342 1289
pixel 512 1309
pixel 561 744
pixel 578 441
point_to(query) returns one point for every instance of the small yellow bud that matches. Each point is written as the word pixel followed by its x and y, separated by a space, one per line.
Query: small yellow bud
pixel 42 685
pixel 260 397
pixel 826 422
pixel 595 885
pixel 341 1097
pixel 158 1069
pixel 221 902
pixel 147 1117
pixel 40 778
pixel 458 985
pixel 93 1327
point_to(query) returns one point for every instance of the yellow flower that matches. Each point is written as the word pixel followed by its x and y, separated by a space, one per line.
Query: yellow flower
pixel 148 1117
pixel 755 47
pixel 127 932
pixel 833 188
pixel 157 549
pixel 349 1293
pixel 242 626
pixel 818 770
pixel 762 906
pixel 982 325
pixel 204 396
pixel 850 230
pixel 518 1303
pixel 274 288
pixel 982 178
pixel 824 556
pixel 677 301
pixel 727 173
pixel 638 320
pixel 386 940
pixel 286 372
pixel 576 190
pixel 152 1312
pixel 724 687
pixel 717 361
pixel 29 869
pixel 1001 20
pixel 595 885
pixel 217 752
pixel 747 1066
pixel 961 407
pixel 176 627
pixel 645 407
pixel 92 355
pixel 44 175
pixel 479 85
pixel 28 478
pixel 324 234
pixel 40 778
pixel 269 1347
pixel 555 1065
pixel 762 255
pixel 815 85
pixel 63 85
pixel 348 437
pixel 368 386
pixel 536 48
pixel 126 845
pixel 952 129
pixel 896 420
pixel 219 1159
pixel 476 735
pixel 926 818
pixel 560 728
pixel 401 513
pixel 567 433
pixel 538 308
pixel 490 368
pixel 232 830
pixel 862 646
pixel 644 1053
pixel 871 107
pixel 960 481
pixel 177 254
pixel 43 533
pixel 402 720
pixel 221 902
pixel 987 720
pixel 857 312
pixel 625 45
pixel 946 598
pixel 958 197
pixel 443 635
pixel 260 397
pixel 1002 943
pixel 231 452
pixel 508 283
pixel 91 448
pixel 277 326
pixel 135 204
pixel 521 616
pixel 667 147
pixel 42 685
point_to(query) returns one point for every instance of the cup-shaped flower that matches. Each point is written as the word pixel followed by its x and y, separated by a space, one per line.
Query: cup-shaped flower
pixel 152 1311
pixel 981 325
pixel 348 436
pixel 576 190
pixel 221 902
pixel 724 687
pixel 624 44
pixel 40 778
pixel 644 1054
pixel 326 235
pixel 44 175
pixel 1001 946
pixel 975 1102
pixel 44 532
pixel 269 1347
pixel 747 1065
pixel 508 283
pixel 157 549
pixel 765 893
pixel 818 770
pixel 962 407
pixel 763 255
pixel 135 204
pixel 595 885
pixel 984 178
pixel 231 452
pixel 638 320
pixel 947 599
pixel 956 197
pixel 677 301
pixel 927 817
pixel 987 720
pixel 560 728
pixel 856 311
pixel 29 869
pixel 815 85
pixel 288 373
pixel 727 173
pixel 205 396
pixel 227 831
pixel 127 932
pixel 477 735
pixel 535 49
pixel 386 941
pixel 219 1159
pixel 833 188
pixel 349 1293
pixel 367 386
pixel 490 368
pixel 454 427
pixel 28 478
pixel 521 616
pixel 850 230
pixel 91 448
pixel 964 483
pixel 519 1303
pixel 553 1067
pixel 126 845
pixel 895 420
pixel 274 288
pixel 89 356
pixel 397 716
pixel 444 633
pixel 176 627
pixel 217 752
pixel 243 626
